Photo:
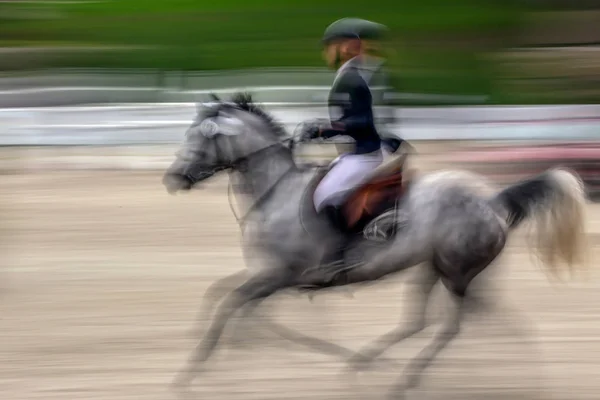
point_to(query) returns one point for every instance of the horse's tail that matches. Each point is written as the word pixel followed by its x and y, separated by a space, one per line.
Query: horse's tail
pixel 555 202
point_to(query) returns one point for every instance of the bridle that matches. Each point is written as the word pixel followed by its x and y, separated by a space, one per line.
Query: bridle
pixel 240 165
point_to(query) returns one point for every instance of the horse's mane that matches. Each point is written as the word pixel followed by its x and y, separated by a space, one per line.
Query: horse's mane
pixel 244 101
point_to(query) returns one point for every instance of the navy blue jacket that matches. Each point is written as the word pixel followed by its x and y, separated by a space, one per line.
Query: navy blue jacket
pixel 351 110
pixel 373 71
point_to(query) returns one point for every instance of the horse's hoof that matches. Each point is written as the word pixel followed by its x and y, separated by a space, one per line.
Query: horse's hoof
pixel 358 363
pixel 409 381
pixel 396 394
pixel 180 386
pixel 182 382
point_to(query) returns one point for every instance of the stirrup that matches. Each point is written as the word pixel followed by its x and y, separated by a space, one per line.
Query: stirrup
pixel 332 272
pixel 332 268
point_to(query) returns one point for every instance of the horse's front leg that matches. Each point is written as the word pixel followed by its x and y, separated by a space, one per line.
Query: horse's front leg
pixel 216 292
pixel 241 326
pixel 257 287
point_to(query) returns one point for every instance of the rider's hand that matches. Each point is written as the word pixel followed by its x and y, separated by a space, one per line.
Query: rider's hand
pixel 312 131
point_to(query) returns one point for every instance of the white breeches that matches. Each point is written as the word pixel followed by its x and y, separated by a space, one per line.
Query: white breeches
pixel 349 172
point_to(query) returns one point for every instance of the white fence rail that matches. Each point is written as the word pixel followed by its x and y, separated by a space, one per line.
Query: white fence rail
pixel 41 96
pixel 139 124
pixel 96 86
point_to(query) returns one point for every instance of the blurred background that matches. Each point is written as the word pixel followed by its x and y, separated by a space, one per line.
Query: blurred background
pixel 103 271
pixel 498 51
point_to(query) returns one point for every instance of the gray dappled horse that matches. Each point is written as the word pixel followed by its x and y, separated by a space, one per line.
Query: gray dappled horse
pixel 448 221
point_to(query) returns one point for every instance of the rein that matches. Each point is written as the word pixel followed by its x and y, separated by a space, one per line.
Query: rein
pixel 263 197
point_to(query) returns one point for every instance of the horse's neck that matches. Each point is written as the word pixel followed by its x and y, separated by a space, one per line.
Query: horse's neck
pixel 264 173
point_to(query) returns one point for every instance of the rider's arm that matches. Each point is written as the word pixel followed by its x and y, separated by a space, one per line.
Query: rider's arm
pixel 356 107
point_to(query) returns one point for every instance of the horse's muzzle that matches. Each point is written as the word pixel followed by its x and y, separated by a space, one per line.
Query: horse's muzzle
pixel 176 182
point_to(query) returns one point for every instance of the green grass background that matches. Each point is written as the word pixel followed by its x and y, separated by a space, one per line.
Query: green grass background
pixel 434 46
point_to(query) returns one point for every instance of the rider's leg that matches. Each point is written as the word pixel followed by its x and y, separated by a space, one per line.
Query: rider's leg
pixel 347 174
pixel 334 257
pixel 329 197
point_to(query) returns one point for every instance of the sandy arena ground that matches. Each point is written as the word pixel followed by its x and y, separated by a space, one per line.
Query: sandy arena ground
pixel 103 272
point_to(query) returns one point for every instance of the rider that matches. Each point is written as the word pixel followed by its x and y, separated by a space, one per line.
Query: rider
pixel 351 114
pixel 373 71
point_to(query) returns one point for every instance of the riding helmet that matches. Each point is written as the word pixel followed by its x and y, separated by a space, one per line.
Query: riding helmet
pixel 353 28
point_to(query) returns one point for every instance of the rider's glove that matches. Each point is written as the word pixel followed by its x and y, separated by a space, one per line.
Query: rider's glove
pixel 312 131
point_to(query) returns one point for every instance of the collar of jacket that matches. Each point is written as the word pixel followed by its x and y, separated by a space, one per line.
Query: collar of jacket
pixel 351 63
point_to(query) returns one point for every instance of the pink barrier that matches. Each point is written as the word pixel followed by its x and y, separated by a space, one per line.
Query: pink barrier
pixel 528 154
pixel 511 163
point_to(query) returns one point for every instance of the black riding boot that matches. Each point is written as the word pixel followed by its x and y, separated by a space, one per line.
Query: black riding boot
pixel 333 261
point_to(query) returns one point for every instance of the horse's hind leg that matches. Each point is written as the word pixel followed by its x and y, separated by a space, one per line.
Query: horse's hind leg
pixel 456 276
pixel 420 288
pixel 257 287
pixel 418 364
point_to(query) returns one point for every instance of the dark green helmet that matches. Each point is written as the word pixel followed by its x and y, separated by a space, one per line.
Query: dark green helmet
pixel 353 28
pixel 345 28
pixel 370 30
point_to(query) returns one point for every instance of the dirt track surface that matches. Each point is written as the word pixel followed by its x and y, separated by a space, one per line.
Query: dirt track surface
pixel 104 274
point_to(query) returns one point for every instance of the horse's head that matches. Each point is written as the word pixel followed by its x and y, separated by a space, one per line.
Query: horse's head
pixel 224 136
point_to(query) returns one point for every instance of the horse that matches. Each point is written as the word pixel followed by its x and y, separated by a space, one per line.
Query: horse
pixel 453 222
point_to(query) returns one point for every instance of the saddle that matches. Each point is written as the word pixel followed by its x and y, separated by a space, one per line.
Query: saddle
pixel 380 192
